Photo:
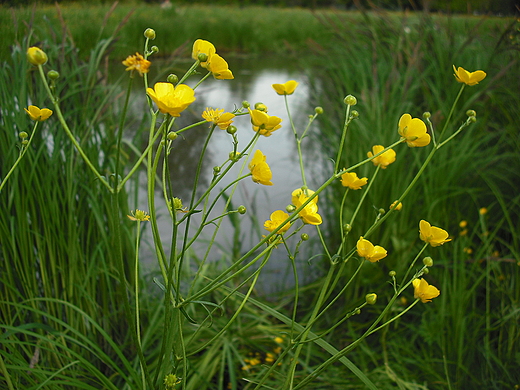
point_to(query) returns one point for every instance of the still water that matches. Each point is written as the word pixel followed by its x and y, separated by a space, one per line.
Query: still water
pixel 253 80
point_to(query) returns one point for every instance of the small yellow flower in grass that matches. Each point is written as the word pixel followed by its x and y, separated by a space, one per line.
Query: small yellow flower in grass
pixel 170 381
pixel 384 159
pixel 396 207
pixel 200 46
pixel 137 62
pixel 469 78
pixel 433 235
pixel 171 100
pixel 263 123
pixel 219 117
pixel 37 114
pixel 286 88
pixel 424 291
pixel 276 219
pixel 219 67
pixel 483 211
pixel 138 215
pixel 370 252
pixel 260 169
pixel 309 214
pixel 414 131
pixel 36 56
pixel 351 180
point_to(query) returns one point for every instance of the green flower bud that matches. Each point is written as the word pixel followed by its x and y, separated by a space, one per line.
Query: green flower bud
pixel 202 57
pixel 260 107
pixel 36 56
pixel 371 298
pixel 172 78
pixel 392 274
pixel 216 170
pixel 426 115
pixel 471 113
pixel 231 129
pixel 172 135
pixel 347 228
pixel 177 204
pixel 473 119
pixel 23 135
pixel 304 236
pixel 354 114
pixel 242 209
pixel 234 156
pixel 350 100
pixel 318 110
pixel 358 312
pixel 53 75
pixel 246 104
pixel 428 261
pixel 149 33
pixel 154 49
pixel 25 142
pixel 381 211
pixel 426 271
pixel 290 208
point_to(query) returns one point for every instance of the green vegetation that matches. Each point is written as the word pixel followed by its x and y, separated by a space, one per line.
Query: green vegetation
pixel 65 289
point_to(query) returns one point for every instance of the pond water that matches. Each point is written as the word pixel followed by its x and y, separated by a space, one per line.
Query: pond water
pixel 253 80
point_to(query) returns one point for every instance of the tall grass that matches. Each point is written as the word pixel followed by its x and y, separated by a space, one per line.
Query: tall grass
pixel 407 67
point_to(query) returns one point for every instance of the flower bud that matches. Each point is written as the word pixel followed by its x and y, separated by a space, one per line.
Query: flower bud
pixel 347 228
pixel 260 107
pixel 172 78
pixel 25 142
pixel 473 119
pixel 36 56
pixel 154 49
pixel 358 311
pixel 149 33
pixel 392 274
pixel 234 156
pixel 426 271
pixel 53 75
pixel 318 110
pixel 202 57
pixel 483 211
pixel 304 236
pixel 428 261
pixel 471 113
pixel 354 114
pixel 172 135
pixel 350 100
pixel 381 211
pixel 371 298
pixel 426 115
pixel 23 135
pixel 216 170
pixel 242 209
pixel 246 104
pixel 290 208
pixel 177 204
pixel 231 129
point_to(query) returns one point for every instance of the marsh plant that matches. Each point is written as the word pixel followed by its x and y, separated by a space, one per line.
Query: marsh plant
pixel 195 310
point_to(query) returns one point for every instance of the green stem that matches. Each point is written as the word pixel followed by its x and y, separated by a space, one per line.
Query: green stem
pixel 120 133
pixel 348 119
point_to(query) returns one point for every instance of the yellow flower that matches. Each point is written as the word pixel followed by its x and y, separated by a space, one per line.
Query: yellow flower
pixel 469 78
pixel 276 220
pixel 260 169
pixel 38 115
pixel 219 67
pixel 36 56
pixel 414 131
pixel 263 123
pixel 309 214
pixel 286 88
pixel 138 215
pixel 218 117
pixel 384 159
pixel 351 180
pixel 370 252
pixel 170 99
pixel 395 206
pixel 201 46
pixel 137 62
pixel 424 291
pixel 433 235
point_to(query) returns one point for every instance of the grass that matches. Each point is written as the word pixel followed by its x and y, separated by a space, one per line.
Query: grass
pixel 61 297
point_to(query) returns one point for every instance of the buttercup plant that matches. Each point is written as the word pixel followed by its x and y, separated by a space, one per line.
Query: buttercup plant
pixel 186 291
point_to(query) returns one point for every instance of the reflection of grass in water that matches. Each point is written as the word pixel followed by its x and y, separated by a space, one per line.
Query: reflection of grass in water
pixel 406 66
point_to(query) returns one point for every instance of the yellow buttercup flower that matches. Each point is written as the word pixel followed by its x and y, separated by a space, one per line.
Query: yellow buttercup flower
pixel 171 100
pixel 37 114
pixel 395 206
pixel 351 180
pixel 309 214
pixel 200 46
pixel 36 56
pixel 469 78
pixel 370 252
pixel 260 169
pixel 219 67
pixel 138 215
pixel 219 117
pixel 424 291
pixel 414 131
pixel 276 219
pixel 384 159
pixel 286 88
pixel 263 123
pixel 137 62
pixel 433 235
